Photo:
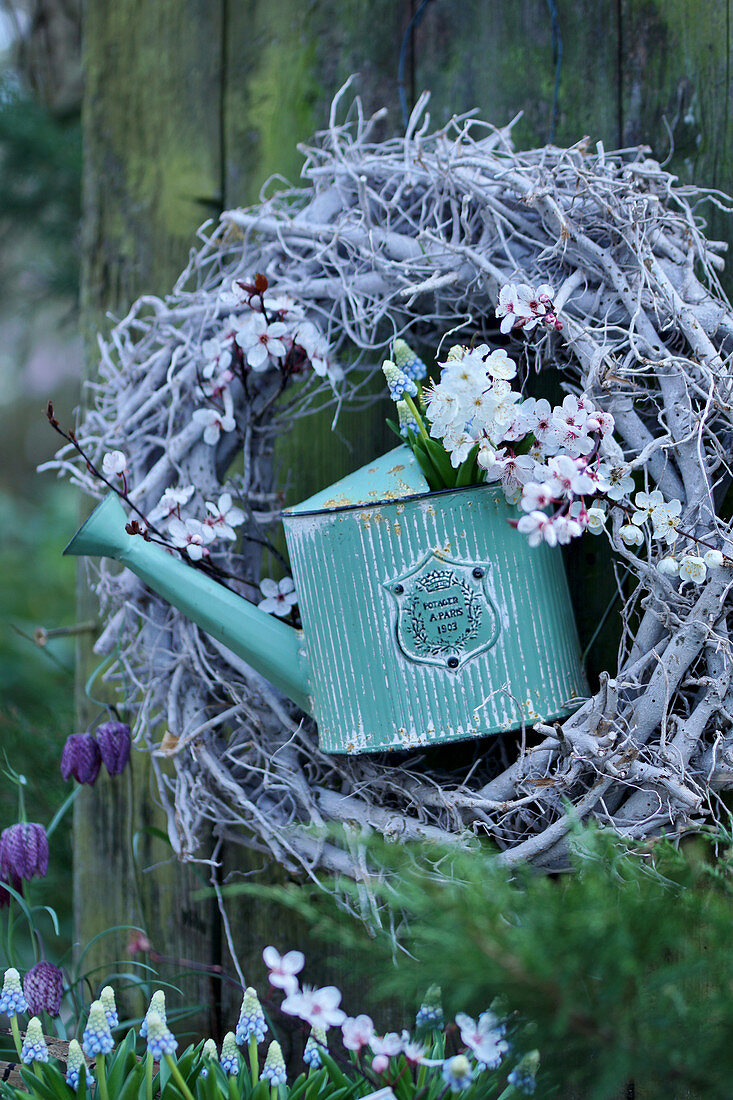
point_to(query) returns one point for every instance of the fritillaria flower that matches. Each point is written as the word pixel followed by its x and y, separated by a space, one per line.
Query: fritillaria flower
pixel 43 986
pixel 114 743
pixel 23 851
pixel 81 758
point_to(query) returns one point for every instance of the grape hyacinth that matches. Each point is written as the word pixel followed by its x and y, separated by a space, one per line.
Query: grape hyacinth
pixel 273 1070
pixel 157 1005
pixel 12 999
pixel 34 1044
pixel 229 1057
pixel 23 851
pixel 161 1040
pixel 408 361
pixel 430 1012
pixel 97 1037
pixel 398 382
pixel 107 997
pixel 81 758
pixel 43 986
pixel 457 1072
pixel 251 1022
pixel 209 1052
pixel 113 739
pixel 74 1062
pixel 314 1046
pixel 523 1076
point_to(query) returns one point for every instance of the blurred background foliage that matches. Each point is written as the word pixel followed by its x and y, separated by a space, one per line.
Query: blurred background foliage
pixel 40 359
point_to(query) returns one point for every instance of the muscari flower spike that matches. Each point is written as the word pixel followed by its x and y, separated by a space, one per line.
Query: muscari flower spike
pixel 23 851
pixel 161 1040
pixel 157 1005
pixel 80 758
pixel 408 361
pixel 12 998
pixel 114 743
pixel 316 1043
pixel 274 1067
pixel 107 997
pixel 97 1037
pixel 251 1018
pixel 43 986
pixel 74 1062
pixel 398 382
pixel 209 1051
pixel 229 1057
pixel 523 1076
pixel 430 1012
pixel 407 419
pixel 457 1072
pixel 34 1045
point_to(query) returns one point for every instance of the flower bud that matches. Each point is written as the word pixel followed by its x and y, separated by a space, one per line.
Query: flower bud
pixel 157 1005
pixel 107 997
pixel 23 851
pixel 251 1018
pixel 114 743
pixel 34 1045
pixel 408 361
pixel 12 999
pixel 229 1058
pixel 74 1062
pixel 43 987
pixel 97 1038
pixel 80 758
pixel 161 1040
pixel 274 1067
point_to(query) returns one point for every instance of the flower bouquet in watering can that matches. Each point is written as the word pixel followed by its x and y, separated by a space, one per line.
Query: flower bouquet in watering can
pixel 426 616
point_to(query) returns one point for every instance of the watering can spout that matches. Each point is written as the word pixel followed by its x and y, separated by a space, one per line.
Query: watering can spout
pixel 265 643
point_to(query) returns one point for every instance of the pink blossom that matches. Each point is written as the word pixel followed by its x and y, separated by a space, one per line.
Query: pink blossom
pixel 224 517
pixel 357 1032
pixel 213 422
pixel 191 536
pixel 318 1007
pixel 536 496
pixel 538 527
pixel 283 968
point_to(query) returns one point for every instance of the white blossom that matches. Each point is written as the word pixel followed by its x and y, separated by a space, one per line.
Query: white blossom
pixel 693 568
pixel 279 596
pixel 646 505
pixel 191 536
pixel 713 559
pixel 170 502
pixel 620 481
pixel 224 517
pixel 261 342
pixel 596 521
pixel 213 422
pixel 669 567
pixel 114 464
pixel 631 535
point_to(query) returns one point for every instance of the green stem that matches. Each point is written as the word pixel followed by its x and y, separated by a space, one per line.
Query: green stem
pixel 178 1076
pixel 254 1064
pixel 102 1078
pixel 419 420
pixel 16 1034
pixel 234 1087
pixel 149 1076
pixel 421 1075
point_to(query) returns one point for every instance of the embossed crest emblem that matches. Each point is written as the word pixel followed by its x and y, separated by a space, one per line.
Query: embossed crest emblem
pixel 445 614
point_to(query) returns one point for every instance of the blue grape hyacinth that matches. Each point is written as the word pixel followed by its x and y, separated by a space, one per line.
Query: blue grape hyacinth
pixel 251 1018
pixel 97 1037
pixel 34 1045
pixel 161 1040
pixel 12 998
pixel 274 1067
pixel 229 1058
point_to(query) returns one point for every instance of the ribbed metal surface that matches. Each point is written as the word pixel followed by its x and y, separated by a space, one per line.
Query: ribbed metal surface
pixel 367 694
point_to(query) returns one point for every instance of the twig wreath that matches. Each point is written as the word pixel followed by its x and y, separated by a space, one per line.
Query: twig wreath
pixel 413 237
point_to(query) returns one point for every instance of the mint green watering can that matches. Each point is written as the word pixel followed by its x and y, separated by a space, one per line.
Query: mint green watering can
pixel 426 617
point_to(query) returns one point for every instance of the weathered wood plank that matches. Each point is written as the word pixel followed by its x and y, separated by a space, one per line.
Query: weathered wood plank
pixel 152 174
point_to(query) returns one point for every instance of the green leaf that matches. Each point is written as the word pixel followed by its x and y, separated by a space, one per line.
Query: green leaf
pixel 468 472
